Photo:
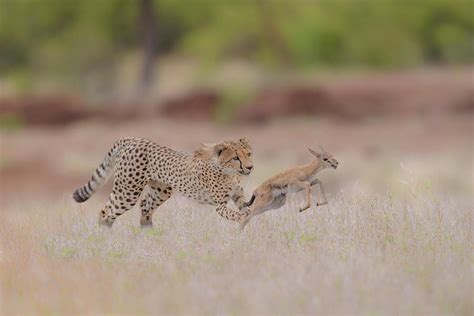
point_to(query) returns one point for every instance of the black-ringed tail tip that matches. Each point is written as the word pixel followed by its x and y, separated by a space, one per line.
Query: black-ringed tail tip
pixel 79 195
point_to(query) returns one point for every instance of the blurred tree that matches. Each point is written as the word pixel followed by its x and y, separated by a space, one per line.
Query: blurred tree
pixel 83 43
pixel 150 43
pixel 272 32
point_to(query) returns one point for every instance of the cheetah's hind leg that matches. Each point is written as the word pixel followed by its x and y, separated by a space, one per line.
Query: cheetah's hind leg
pixel 120 201
pixel 157 193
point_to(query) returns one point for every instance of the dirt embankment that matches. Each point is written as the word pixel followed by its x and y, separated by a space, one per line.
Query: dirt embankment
pixel 397 94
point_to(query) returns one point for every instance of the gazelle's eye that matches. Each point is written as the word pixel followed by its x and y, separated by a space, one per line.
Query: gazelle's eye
pixel 325 159
pixel 236 158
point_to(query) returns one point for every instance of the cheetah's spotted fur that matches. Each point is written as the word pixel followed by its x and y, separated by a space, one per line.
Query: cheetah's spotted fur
pixel 211 175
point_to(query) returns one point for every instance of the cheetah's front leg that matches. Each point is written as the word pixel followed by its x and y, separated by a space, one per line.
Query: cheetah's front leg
pixel 230 214
pixel 238 197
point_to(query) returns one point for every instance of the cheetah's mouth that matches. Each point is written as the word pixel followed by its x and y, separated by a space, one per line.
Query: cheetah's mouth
pixel 244 172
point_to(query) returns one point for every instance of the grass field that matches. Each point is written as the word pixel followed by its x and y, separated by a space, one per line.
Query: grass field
pixel 396 237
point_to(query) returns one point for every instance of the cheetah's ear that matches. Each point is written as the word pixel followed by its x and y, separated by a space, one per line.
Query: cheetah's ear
pixel 208 145
pixel 244 142
pixel 219 148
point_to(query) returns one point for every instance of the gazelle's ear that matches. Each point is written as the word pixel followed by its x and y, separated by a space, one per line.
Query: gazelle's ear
pixel 322 149
pixel 219 148
pixel 315 153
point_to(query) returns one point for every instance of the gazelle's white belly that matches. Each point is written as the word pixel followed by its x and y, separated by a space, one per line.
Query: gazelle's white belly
pixel 279 191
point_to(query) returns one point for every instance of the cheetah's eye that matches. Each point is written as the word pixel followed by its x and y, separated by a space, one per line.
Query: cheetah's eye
pixel 236 158
pixel 249 154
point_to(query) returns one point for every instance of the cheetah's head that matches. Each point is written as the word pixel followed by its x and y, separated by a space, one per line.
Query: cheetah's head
pixel 233 157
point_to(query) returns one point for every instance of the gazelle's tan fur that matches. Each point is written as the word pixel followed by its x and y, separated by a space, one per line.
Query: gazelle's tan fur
pixel 272 193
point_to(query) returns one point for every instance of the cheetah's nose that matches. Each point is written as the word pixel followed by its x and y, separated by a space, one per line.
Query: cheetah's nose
pixel 250 168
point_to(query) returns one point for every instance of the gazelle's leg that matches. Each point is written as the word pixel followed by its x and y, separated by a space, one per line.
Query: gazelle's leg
pixel 302 185
pixel 261 204
pixel 322 200
pixel 277 202
pixel 245 220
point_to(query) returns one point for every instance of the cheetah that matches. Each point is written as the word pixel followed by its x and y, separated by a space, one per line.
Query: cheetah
pixel 272 193
pixel 211 175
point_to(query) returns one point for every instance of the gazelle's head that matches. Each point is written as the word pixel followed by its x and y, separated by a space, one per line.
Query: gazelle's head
pixel 327 159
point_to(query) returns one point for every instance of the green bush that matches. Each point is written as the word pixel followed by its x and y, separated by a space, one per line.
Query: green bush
pixel 73 38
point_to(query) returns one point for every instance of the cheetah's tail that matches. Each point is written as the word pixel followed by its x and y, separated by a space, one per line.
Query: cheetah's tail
pixel 101 173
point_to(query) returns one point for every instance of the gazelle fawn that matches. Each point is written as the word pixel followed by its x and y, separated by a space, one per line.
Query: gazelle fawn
pixel 272 193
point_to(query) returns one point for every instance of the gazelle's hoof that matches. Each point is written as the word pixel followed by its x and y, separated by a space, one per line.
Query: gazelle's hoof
pixel 321 204
pixel 243 224
pixel 303 209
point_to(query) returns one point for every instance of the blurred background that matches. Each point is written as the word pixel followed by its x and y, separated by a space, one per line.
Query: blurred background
pixel 386 86
pixel 369 79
